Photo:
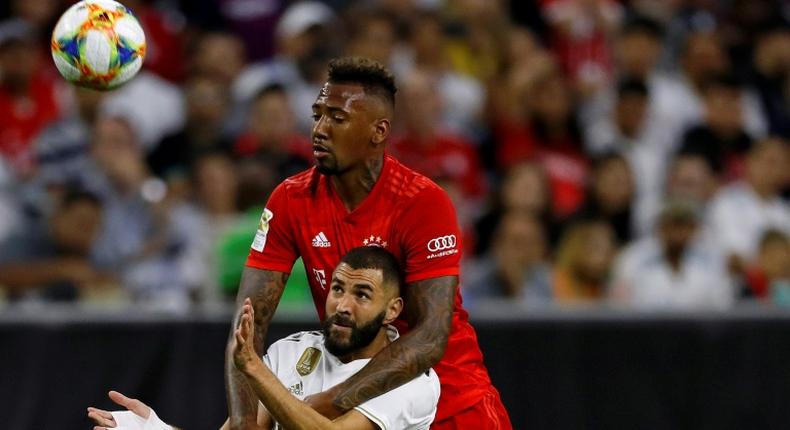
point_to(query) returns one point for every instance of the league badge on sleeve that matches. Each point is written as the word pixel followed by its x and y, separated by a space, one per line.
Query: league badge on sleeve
pixel 263 229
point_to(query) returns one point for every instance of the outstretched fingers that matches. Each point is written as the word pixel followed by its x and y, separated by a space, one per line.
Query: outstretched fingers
pixel 101 418
pixel 137 407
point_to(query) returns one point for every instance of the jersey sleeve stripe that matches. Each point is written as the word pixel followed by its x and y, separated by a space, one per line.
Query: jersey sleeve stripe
pixel 369 415
pixel 450 271
pixel 269 266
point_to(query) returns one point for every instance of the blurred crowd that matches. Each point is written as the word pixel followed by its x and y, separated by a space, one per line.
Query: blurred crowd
pixel 599 152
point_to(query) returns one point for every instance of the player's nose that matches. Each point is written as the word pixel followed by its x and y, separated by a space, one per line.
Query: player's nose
pixel 321 130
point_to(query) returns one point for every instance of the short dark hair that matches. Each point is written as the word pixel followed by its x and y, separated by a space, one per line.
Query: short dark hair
pixel 74 194
pixel 632 86
pixel 274 88
pixel 377 258
pixel 642 25
pixel 374 78
pixel 771 236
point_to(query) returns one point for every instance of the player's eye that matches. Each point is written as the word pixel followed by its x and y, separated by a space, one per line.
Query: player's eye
pixel 338 119
pixel 316 117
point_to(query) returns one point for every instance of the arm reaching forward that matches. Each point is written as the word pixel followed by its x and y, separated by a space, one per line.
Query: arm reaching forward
pixel 430 309
pixel 286 409
pixel 263 289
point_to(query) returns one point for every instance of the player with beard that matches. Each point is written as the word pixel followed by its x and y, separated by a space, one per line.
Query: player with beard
pixel 364 299
pixel 358 195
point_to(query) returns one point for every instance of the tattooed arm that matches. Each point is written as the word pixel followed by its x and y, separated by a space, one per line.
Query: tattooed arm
pixel 430 309
pixel 264 288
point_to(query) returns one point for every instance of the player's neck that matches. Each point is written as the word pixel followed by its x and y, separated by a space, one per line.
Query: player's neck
pixel 380 342
pixel 353 186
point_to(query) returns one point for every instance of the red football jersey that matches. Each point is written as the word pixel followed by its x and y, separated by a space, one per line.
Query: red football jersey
pixel 407 214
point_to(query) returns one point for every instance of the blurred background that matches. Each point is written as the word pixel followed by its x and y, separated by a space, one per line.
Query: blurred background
pixel 621 172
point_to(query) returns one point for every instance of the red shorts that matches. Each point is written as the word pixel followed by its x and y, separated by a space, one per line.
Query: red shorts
pixel 488 414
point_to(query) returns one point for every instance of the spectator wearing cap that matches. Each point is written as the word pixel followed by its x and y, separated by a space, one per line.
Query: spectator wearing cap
pixel 743 210
pixel 305 41
pixel 672 269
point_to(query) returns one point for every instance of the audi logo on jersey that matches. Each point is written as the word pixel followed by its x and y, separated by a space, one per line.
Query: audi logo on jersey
pixel 442 243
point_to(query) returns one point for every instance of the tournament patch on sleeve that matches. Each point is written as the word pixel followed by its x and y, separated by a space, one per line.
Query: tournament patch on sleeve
pixel 263 229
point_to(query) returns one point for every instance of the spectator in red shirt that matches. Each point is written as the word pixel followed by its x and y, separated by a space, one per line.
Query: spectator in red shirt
pixel 272 135
pixel 550 134
pixel 425 147
pixel 28 100
pixel 772 265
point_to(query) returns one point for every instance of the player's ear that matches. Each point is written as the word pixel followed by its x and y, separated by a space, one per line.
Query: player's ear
pixel 381 130
pixel 394 308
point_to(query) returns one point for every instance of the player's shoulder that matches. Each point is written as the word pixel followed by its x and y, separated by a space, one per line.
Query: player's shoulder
pixel 407 183
pixel 299 340
pixel 301 182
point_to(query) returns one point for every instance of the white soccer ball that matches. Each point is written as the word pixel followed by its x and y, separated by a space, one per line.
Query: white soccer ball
pixel 98 44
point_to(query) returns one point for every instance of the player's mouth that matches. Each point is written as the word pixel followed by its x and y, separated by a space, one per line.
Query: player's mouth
pixel 320 150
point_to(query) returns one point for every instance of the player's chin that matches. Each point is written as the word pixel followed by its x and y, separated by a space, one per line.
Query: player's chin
pixel 326 166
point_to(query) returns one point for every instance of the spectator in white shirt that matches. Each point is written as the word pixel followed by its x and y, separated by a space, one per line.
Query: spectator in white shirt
pixel 742 211
pixel 674 268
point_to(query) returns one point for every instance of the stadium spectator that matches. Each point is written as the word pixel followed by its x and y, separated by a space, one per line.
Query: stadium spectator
pixel 427 148
pixel 29 99
pixel 140 239
pixel 516 268
pixel 49 257
pixel 766 277
pixel 721 137
pixel 524 189
pixel 271 134
pixel 462 96
pixel 610 196
pixel 373 34
pixel 550 134
pixel 583 263
pixel 304 43
pixel 673 268
pixel 771 64
pixel 742 211
pixel 581 31
pixel 207 105
pixel 677 97
pixel 217 56
pixel 637 48
pixel 62 149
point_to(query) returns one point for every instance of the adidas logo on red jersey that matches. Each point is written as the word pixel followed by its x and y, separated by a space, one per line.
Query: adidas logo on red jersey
pixel 320 241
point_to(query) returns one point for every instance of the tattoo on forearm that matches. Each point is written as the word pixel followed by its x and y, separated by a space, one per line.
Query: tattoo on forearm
pixel 430 310
pixel 264 288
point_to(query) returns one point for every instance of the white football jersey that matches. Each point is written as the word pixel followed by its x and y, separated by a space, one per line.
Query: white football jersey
pixel 305 367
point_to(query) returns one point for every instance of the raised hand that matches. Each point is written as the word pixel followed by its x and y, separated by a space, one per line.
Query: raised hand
pixel 244 355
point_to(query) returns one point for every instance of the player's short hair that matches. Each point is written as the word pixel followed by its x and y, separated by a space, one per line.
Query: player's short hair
pixel 374 78
pixel 376 258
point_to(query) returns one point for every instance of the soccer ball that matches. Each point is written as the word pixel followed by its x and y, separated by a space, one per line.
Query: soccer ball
pixel 98 44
